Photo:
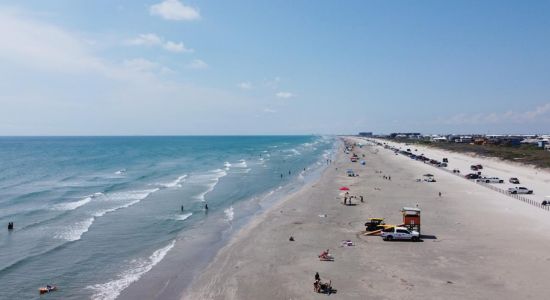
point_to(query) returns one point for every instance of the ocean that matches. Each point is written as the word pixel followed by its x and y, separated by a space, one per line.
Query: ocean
pixel 93 215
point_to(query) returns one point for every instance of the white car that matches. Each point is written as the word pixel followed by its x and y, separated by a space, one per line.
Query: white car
pixel 400 233
pixel 490 180
pixel 519 190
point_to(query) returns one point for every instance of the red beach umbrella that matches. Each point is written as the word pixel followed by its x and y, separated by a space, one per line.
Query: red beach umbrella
pixel 344 188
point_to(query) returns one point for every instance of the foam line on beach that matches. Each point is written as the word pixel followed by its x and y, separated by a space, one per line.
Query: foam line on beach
pixel 182 217
pixel 210 179
pixel 229 214
pixel 175 183
pixel 75 231
pixel 112 289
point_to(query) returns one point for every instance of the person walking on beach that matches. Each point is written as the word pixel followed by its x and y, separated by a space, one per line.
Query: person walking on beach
pixel 206 207
pixel 439 194
pixel 361 197
pixel 182 208
pixel 317 277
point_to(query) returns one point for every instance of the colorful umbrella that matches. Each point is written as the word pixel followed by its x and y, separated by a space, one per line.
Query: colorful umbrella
pixel 344 188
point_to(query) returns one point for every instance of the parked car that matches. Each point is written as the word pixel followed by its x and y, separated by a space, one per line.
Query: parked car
pixel 514 180
pixel 519 190
pixel 479 167
pixel 442 165
pixel 400 233
pixel 490 180
pixel 445 160
pixel 473 168
pixel 471 176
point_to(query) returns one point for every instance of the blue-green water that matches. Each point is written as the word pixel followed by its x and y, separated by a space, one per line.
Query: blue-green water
pixel 94 214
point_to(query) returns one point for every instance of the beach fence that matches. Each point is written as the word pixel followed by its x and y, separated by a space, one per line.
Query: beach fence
pixel 497 189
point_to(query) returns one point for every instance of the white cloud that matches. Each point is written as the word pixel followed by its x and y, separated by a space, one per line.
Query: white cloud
pixel 146 39
pixel 141 65
pixel 245 85
pixel 151 39
pixel 43 46
pixel 174 10
pixel 176 47
pixel 540 113
pixel 197 64
pixel 269 110
pixel 285 95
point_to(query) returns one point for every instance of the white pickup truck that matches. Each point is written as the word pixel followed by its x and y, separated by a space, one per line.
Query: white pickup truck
pixel 519 190
pixel 490 180
pixel 400 233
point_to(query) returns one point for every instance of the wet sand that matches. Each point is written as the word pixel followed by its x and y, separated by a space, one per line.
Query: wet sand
pixel 478 244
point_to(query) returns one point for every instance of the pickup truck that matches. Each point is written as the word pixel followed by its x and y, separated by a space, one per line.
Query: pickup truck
pixel 519 190
pixel 490 180
pixel 400 233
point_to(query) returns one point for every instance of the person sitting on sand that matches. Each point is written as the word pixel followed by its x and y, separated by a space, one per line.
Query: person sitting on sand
pixel 317 286
pixel 325 255
pixel 320 287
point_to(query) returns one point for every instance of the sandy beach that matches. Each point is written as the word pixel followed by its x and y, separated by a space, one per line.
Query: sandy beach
pixel 478 244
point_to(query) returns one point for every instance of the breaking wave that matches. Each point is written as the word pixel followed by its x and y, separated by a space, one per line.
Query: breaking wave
pixel 112 289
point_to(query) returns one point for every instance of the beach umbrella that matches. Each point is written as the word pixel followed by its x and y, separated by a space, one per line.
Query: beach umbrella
pixel 344 188
pixel 428 175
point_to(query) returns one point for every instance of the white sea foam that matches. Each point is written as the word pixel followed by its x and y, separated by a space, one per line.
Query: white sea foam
pixel 211 179
pixel 112 289
pixel 72 205
pixel 120 172
pixel 241 164
pixel 176 183
pixel 182 217
pixel 227 165
pixel 128 198
pixel 293 151
pixel 229 214
pixel 75 231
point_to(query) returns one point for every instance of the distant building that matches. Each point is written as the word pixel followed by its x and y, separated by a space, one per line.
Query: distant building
pixel 367 134
pixel 406 135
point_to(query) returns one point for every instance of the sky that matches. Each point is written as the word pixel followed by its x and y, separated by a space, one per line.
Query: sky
pixel 254 67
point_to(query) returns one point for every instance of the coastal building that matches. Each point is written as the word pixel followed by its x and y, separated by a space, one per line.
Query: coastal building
pixel 437 138
pixel 406 135
pixel 365 134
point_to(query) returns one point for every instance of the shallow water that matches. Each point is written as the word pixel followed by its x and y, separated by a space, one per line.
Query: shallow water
pixel 94 214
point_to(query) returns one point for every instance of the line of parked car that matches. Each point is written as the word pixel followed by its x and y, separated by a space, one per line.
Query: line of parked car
pixel 474 176
pixel 514 180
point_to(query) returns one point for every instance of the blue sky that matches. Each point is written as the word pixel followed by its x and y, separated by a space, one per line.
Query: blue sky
pixel 273 67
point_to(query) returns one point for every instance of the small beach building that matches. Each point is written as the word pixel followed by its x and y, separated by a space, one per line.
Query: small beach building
pixel 411 218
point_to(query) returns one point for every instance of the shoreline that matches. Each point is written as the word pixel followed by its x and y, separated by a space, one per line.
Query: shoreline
pixel 460 258
pixel 196 248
